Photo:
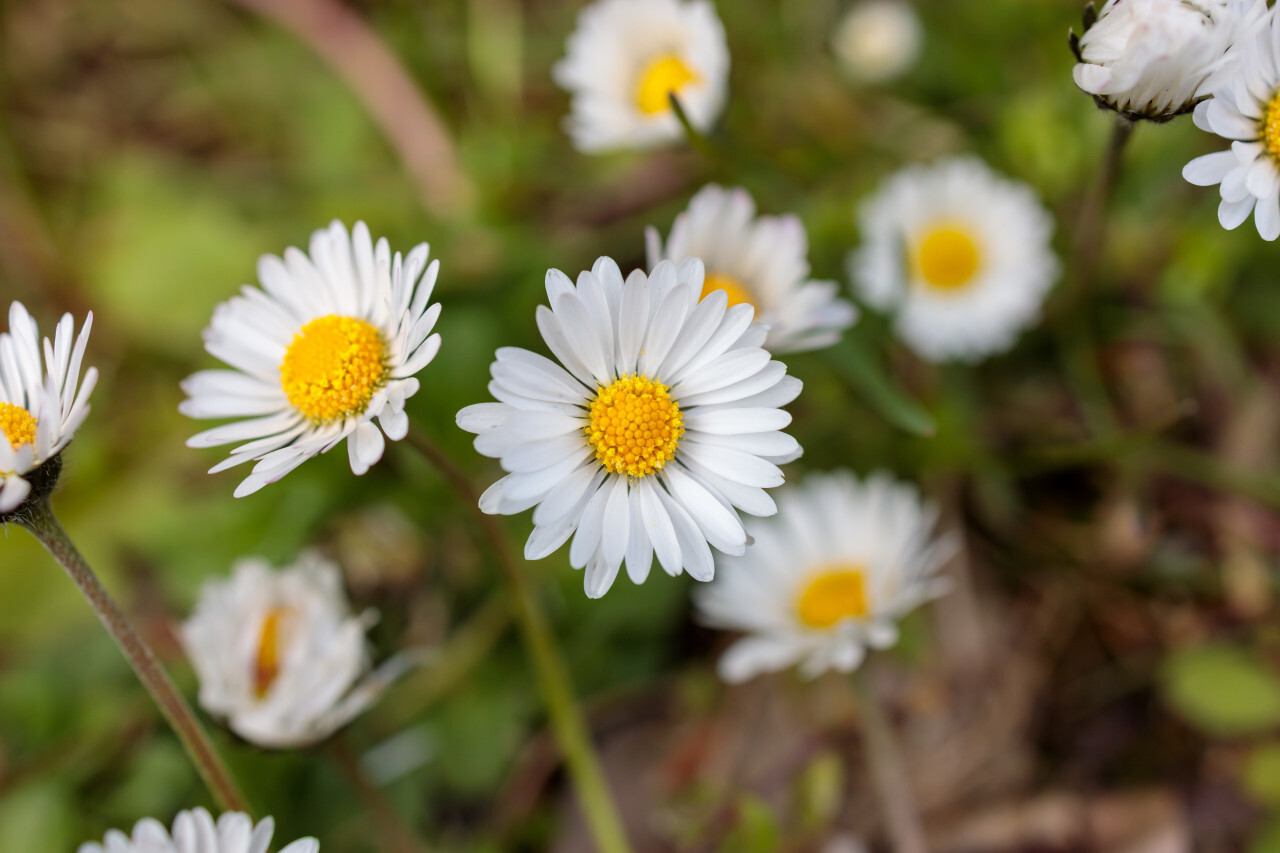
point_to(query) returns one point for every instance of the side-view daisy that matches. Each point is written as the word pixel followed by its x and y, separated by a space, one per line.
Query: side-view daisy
pixel 196 832
pixel 828 577
pixel 331 341
pixel 279 655
pixel 42 401
pixel 663 422
pixel 762 261
pixel 960 254
pixel 627 57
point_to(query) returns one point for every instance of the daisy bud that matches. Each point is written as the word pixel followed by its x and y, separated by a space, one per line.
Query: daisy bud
pixel 196 832
pixel 877 40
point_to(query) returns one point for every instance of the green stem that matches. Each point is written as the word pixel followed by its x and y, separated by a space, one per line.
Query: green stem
pixel 39 519
pixel 396 835
pixel 888 771
pixel 553 679
pixel 697 138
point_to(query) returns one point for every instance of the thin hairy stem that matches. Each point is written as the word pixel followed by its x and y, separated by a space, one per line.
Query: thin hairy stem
pixel 396 835
pixel 888 771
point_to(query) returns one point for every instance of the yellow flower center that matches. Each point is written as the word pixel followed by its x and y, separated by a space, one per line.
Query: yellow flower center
pixel 948 257
pixel 731 286
pixel 1271 125
pixel 658 80
pixel 17 425
pixel 635 426
pixel 270 652
pixel 333 368
pixel 837 593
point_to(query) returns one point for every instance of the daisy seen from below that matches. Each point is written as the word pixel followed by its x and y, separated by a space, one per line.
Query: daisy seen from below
pixel 828 577
pixel 279 655
pixel 196 832
pixel 624 60
pixel 961 255
pixel 1246 110
pixel 663 422
pixel 762 261
pixel 877 40
pixel 331 341
pixel 42 400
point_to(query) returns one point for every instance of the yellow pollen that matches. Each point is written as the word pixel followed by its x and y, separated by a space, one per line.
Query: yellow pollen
pixel 17 425
pixel 838 592
pixel 270 653
pixel 333 368
pixel 660 78
pixel 948 257
pixel 635 426
pixel 731 286
pixel 1271 125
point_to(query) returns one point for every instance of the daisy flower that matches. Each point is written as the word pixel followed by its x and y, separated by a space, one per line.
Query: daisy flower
pixel 331 341
pixel 42 401
pixel 661 424
pixel 878 40
pixel 828 578
pixel 196 832
pixel 762 261
pixel 279 655
pixel 627 56
pixel 961 255
pixel 1246 110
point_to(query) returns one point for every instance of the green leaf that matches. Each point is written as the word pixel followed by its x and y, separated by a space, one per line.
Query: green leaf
pixel 1268 838
pixel 757 829
pixel 1223 690
pixel 1262 774
pixel 859 367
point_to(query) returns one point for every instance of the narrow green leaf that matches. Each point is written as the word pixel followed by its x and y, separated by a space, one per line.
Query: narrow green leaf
pixel 1223 690
pixel 852 358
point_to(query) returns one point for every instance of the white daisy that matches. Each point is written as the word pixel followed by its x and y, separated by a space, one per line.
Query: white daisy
pixel 760 261
pixel 877 40
pixel 330 342
pixel 662 423
pixel 828 578
pixel 196 832
pixel 1153 58
pixel 278 654
pixel 627 56
pixel 42 401
pixel 961 254
pixel 1246 110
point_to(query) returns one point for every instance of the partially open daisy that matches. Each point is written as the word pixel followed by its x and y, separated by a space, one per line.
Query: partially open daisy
pixel 196 832
pixel 279 655
pixel 663 422
pixel 42 401
pixel 961 255
pixel 332 341
pixel 762 261
pixel 828 577
pixel 627 57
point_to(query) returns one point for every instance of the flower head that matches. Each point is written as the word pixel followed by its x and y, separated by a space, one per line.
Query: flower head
pixel 627 57
pixel 279 655
pixel 42 401
pixel 661 424
pixel 330 342
pixel 196 832
pixel 961 254
pixel 877 40
pixel 758 260
pixel 827 578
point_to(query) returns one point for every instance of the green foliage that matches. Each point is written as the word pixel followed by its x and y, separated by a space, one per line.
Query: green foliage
pixel 1223 689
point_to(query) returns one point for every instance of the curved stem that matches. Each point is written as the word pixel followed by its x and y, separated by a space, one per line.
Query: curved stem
pixel 396 835
pixel 889 772
pixel 553 679
pixel 39 519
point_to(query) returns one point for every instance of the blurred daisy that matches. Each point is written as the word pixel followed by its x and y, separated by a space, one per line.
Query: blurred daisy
pixel 961 254
pixel 1246 110
pixel 663 422
pixel 828 578
pixel 331 342
pixel 877 40
pixel 42 401
pixel 279 655
pixel 624 60
pixel 760 261
pixel 196 832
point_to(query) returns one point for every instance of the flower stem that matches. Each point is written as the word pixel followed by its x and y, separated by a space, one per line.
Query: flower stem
pixel 39 519
pixel 888 771
pixel 553 679
pixel 396 835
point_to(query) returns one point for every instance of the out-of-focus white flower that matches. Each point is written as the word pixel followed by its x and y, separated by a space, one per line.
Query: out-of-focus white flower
pixel 961 255
pixel 332 341
pixel 828 577
pixel 627 56
pixel 42 401
pixel 762 261
pixel 663 422
pixel 878 40
pixel 1153 58
pixel 195 832
pixel 279 655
